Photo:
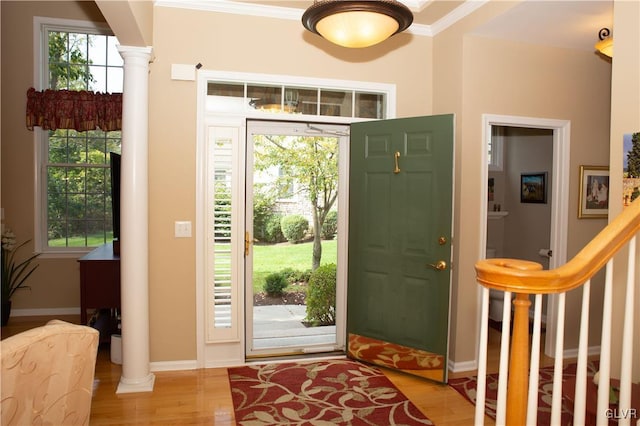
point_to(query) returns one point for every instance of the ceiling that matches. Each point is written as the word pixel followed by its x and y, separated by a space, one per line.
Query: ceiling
pixel 425 12
pixel 560 23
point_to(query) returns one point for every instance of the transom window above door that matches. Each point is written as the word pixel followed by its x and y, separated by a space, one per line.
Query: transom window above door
pixel 266 97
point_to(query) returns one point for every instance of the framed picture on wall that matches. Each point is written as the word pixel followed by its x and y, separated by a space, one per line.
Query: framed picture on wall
pixel 533 188
pixel 594 192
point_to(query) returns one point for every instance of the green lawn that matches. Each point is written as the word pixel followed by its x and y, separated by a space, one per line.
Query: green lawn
pixel 273 258
pixel 92 241
pixel 266 258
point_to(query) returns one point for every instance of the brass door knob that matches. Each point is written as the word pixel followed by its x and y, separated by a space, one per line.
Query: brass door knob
pixel 440 265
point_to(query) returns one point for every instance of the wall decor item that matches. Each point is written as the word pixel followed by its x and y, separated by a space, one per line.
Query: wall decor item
pixel 594 192
pixel 631 167
pixel 533 188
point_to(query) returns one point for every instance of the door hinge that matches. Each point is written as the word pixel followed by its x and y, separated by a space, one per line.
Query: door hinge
pixel 247 243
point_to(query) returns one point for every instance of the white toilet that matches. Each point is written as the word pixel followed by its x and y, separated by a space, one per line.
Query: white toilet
pixel 496 297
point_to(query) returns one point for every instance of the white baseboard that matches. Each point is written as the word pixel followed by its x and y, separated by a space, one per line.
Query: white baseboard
pixel 48 312
pixel 573 353
pixel 173 365
pixel 460 367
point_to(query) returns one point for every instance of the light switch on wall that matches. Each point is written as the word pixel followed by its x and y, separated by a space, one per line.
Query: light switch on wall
pixel 183 229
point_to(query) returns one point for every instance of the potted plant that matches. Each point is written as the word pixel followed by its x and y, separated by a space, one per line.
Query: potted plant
pixel 14 272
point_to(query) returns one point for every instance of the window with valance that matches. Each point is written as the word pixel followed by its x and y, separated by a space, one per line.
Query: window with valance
pixel 77 120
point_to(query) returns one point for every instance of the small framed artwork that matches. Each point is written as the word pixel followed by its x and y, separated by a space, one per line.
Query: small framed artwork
pixel 594 192
pixel 533 188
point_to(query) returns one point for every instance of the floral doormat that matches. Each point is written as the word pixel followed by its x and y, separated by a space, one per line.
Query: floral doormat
pixel 328 392
pixel 467 387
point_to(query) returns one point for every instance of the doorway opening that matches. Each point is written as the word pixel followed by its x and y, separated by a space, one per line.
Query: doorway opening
pixel 508 162
pixel 295 209
pixel 518 202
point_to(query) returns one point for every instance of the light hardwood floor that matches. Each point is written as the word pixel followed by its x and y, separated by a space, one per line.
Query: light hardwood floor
pixel 203 396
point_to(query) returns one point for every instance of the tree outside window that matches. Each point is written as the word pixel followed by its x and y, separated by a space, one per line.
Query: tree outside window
pixel 76 177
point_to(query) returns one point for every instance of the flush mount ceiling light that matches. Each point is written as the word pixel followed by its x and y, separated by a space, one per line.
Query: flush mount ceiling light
pixel 352 23
pixel 605 45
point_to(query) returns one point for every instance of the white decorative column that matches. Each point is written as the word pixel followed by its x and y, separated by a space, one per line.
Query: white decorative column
pixel 134 228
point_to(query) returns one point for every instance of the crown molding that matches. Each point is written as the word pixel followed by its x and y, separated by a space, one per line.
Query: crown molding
pixel 462 11
pixel 278 12
pixel 235 7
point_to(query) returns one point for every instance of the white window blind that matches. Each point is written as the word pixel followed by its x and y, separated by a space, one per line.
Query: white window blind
pixel 222 284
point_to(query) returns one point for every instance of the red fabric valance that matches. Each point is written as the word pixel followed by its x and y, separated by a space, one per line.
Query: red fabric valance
pixel 79 110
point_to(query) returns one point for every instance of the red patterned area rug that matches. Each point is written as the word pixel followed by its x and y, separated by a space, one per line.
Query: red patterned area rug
pixel 467 387
pixel 328 392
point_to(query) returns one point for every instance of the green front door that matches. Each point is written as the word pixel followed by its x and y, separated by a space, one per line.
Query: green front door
pixel 400 243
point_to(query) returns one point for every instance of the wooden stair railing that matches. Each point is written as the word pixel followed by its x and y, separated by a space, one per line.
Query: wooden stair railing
pixel 517 399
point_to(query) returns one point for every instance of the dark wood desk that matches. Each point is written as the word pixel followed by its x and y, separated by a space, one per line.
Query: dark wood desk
pixel 99 280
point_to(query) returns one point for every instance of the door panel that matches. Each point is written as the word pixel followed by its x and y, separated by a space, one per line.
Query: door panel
pixel 400 221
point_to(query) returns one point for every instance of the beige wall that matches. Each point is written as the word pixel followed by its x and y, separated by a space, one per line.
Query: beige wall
pixel 509 78
pixel 454 72
pixel 625 118
pixel 56 283
pixel 243 44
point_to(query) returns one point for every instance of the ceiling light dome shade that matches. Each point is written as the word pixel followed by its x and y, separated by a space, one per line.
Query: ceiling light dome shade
pixel 352 23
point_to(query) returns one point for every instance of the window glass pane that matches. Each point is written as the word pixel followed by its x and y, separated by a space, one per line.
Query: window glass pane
pixel 95 208
pixel 226 97
pixel 301 100
pixel 115 80
pixel 98 82
pixel 113 56
pixel 97 181
pixel 113 142
pixel 79 77
pixel 235 90
pixel 370 105
pixel 57 147
pixel 265 98
pixel 75 181
pixel 78 48
pixel 77 150
pixel 97 153
pixel 77 233
pixel 336 103
pixel 97 49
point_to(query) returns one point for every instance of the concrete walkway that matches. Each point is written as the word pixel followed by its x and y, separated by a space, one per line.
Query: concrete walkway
pixel 281 326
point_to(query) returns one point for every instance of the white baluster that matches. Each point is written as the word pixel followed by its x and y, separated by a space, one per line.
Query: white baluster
pixel 580 392
pixel 482 358
pixel 501 408
pixel 556 398
pixel 605 349
pixel 624 403
pixel 532 405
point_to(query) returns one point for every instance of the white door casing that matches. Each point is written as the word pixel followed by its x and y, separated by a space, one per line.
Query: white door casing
pixel 560 204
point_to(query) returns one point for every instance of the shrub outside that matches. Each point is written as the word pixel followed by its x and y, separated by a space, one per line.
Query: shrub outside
pixel 294 227
pixel 321 296
pixel 274 284
pixel 330 226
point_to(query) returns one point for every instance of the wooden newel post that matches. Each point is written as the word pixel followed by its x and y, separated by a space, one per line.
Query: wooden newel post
pixel 519 363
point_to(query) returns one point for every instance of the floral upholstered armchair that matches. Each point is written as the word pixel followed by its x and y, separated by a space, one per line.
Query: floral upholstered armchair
pixel 47 375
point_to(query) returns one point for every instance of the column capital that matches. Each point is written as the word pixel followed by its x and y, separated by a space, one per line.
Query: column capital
pixel 135 52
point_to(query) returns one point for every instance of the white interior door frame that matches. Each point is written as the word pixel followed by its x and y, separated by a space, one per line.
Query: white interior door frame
pixel 559 207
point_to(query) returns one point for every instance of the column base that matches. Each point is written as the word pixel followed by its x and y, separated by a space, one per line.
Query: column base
pixel 133 386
